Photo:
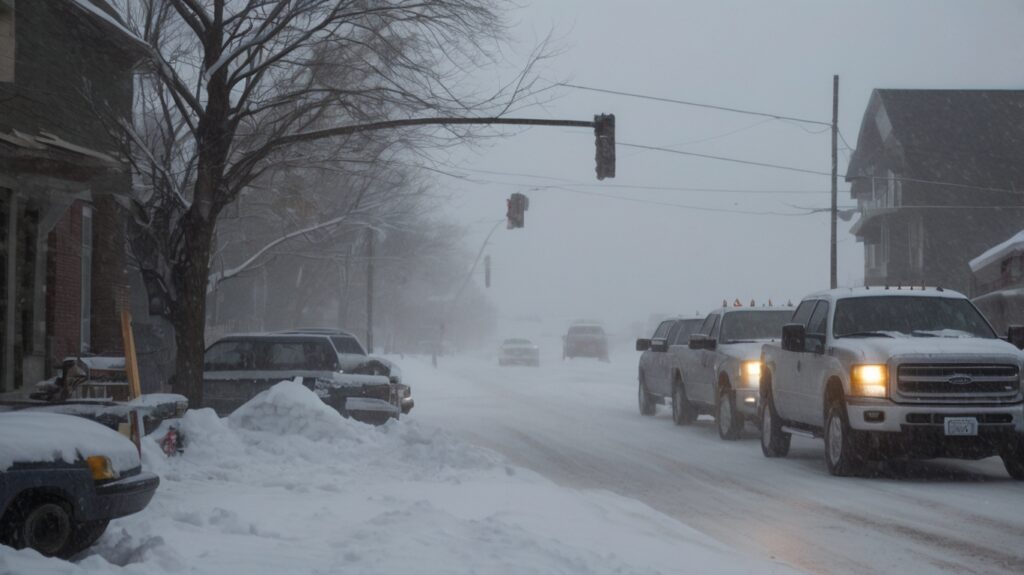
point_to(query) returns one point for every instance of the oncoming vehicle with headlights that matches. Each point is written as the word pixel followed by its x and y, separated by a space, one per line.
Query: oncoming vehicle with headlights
pixel 718 370
pixel 887 372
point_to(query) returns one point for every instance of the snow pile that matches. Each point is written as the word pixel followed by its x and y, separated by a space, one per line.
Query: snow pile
pixel 289 408
pixel 286 485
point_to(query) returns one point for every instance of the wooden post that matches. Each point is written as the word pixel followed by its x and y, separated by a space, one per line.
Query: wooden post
pixel 131 365
pixel 833 271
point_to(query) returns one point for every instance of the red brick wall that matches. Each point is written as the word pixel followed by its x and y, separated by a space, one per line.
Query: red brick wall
pixel 64 287
pixel 110 278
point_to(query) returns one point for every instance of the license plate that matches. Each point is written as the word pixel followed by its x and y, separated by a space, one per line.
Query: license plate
pixel 961 426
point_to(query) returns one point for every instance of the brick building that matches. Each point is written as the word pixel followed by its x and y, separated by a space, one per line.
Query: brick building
pixel 63 278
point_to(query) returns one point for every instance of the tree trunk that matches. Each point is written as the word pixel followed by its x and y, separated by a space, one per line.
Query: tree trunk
pixel 191 273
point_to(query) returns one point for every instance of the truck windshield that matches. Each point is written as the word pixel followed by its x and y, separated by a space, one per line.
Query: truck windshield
pixel 908 316
pixel 738 326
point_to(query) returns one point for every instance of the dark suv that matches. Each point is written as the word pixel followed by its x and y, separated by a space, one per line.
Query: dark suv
pixel 585 340
pixel 238 367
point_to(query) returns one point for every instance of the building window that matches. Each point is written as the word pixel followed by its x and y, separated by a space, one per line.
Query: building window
pixel 86 329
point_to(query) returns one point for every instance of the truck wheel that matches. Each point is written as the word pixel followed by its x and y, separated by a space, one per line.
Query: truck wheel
pixel 730 421
pixel 46 527
pixel 1013 458
pixel 843 453
pixel 84 535
pixel 683 412
pixel 644 399
pixel 774 441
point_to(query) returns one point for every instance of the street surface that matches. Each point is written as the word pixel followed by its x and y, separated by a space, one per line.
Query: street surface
pixel 576 422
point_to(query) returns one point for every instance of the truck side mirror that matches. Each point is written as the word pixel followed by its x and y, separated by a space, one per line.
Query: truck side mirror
pixel 794 336
pixel 710 343
pixel 697 341
pixel 659 344
pixel 643 344
pixel 1015 335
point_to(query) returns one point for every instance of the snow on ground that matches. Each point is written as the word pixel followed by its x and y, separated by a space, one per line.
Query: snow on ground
pixel 286 485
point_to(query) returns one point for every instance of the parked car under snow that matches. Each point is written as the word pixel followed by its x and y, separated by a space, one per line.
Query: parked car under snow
pixel 62 479
pixel 238 367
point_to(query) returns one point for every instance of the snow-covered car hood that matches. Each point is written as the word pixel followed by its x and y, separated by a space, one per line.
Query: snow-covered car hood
pixel 353 361
pixel 327 377
pixel 46 437
pixel 883 348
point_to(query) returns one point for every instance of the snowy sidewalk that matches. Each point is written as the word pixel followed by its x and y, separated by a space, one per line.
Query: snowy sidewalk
pixel 286 485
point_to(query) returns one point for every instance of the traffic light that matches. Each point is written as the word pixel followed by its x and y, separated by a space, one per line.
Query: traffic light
pixel 517 206
pixel 604 136
pixel 487 270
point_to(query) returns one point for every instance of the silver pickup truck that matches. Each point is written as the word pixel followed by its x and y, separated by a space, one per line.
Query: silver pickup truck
pixel 715 369
pixel 887 372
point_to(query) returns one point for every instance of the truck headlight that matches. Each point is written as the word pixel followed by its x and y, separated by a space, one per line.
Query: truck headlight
pixel 752 371
pixel 869 380
pixel 100 467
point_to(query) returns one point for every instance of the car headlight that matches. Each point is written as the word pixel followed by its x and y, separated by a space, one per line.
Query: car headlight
pixel 751 370
pixel 869 380
pixel 100 467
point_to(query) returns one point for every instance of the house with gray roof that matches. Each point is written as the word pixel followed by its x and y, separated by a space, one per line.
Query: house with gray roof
pixel 938 178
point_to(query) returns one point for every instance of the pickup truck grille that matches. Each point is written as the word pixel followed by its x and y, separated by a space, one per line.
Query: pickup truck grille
pixel 958 381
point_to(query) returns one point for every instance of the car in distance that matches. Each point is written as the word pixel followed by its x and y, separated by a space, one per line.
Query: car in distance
pixel 908 372
pixel 518 351
pixel 62 479
pixel 717 371
pixel 585 340
pixel 237 368
pixel 654 362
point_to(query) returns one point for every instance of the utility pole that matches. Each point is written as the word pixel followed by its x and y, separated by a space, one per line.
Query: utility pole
pixel 369 290
pixel 835 167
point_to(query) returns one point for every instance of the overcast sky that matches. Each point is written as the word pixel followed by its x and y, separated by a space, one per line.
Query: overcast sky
pixel 585 255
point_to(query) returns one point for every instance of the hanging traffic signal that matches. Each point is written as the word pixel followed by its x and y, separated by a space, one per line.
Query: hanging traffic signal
pixel 604 137
pixel 487 270
pixel 517 206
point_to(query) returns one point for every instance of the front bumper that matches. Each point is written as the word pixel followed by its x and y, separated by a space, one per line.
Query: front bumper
pixel 747 401
pixel 121 497
pixel 369 410
pixel 901 417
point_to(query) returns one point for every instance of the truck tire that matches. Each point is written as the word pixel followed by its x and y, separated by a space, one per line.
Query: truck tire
pixel 644 399
pixel 774 441
pixel 1013 458
pixel 729 419
pixel 45 526
pixel 843 453
pixel 683 412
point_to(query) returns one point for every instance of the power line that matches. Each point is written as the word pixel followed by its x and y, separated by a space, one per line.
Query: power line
pixel 807 212
pixel 699 105
pixel 725 159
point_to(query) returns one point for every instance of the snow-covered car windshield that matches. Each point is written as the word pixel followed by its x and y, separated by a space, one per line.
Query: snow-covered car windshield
pixel 586 330
pixel 911 316
pixel 753 325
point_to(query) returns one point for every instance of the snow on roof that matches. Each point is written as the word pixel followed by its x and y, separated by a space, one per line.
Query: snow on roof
pixel 1014 245
pixel 868 291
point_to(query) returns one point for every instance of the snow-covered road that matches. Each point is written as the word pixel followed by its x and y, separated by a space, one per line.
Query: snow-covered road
pixel 576 422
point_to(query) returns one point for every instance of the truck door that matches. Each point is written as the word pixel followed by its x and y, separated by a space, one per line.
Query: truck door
pixel 666 364
pixel 655 363
pixel 788 368
pixel 811 380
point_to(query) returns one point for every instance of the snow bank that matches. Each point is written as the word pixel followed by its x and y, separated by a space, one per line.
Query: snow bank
pixel 286 485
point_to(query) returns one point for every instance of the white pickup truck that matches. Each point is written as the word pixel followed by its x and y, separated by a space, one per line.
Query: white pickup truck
pixel 713 369
pixel 894 372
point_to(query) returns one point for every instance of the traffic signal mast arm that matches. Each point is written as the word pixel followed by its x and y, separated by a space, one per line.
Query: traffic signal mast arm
pixel 603 125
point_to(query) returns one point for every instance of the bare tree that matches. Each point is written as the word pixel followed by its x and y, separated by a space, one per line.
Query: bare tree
pixel 237 86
